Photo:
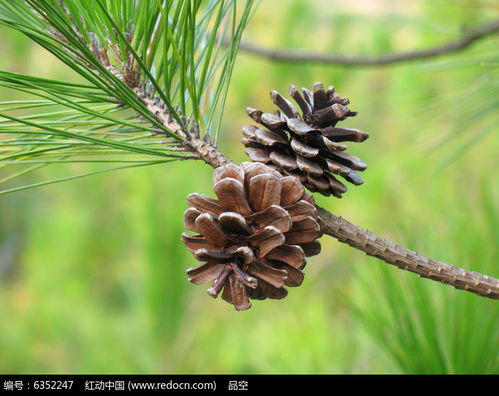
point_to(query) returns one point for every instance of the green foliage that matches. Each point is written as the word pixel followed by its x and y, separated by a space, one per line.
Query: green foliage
pixel 170 52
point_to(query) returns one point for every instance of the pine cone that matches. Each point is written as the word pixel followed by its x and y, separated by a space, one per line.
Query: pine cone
pixel 253 240
pixel 308 145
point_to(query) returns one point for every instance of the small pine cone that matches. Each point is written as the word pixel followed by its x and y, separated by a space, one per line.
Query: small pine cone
pixel 307 145
pixel 254 238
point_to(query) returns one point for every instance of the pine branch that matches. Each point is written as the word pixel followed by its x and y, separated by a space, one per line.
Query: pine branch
pixel 128 80
pixel 201 148
pixel 156 76
pixel 403 258
pixel 337 227
pixel 303 56
pixel 391 253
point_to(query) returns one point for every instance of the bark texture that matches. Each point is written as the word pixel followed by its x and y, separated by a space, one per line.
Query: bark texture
pixel 406 259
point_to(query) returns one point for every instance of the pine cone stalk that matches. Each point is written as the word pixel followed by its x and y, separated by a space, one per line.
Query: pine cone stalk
pixel 252 239
pixel 307 145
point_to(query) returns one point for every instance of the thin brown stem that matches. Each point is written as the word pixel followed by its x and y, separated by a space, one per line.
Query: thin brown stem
pixel 202 149
pixel 406 259
pixel 340 228
pixel 301 56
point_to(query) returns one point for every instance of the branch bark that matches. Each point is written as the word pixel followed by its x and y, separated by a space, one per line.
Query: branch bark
pixel 294 55
pixel 406 259
pixel 345 231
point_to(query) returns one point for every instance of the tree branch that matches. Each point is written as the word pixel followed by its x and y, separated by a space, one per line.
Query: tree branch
pixel 391 253
pixel 202 149
pixel 294 55
pixel 340 228
pixel 406 259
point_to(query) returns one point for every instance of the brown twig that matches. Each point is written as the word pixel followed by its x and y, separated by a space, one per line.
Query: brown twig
pixel 406 259
pixel 340 228
pixel 204 150
pixel 200 148
pixel 294 55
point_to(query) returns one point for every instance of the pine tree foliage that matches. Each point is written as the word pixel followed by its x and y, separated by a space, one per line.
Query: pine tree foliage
pixel 135 58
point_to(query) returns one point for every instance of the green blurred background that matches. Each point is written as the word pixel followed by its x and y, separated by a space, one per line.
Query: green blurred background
pixel 92 271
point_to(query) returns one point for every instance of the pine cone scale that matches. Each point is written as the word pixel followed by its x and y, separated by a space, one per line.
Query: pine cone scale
pixel 303 149
pixel 236 293
pixel 292 255
pixel 283 160
pixel 284 104
pixel 195 242
pixel 345 134
pixel 291 191
pixel 348 160
pixel 311 248
pixel 330 146
pixel 272 121
pixel 190 217
pixel 244 277
pixel 204 273
pixel 204 204
pixel 272 292
pixel 219 281
pixel 213 255
pixel 310 167
pixel 299 127
pixel 273 276
pixel 206 225
pixel 301 210
pixel 302 103
pixel 257 155
pixel 275 216
pixel 303 231
pixel 231 171
pixel 319 96
pixel 269 138
pixel 231 192
pixel 264 191
pixel 266 240
pixel 295 276
pixel 233 223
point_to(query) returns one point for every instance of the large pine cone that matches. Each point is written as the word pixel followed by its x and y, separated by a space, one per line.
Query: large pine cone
pixel 253 240
pixel 307 145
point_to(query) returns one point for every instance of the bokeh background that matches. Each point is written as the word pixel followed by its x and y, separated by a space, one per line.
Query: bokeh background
pixel 92 271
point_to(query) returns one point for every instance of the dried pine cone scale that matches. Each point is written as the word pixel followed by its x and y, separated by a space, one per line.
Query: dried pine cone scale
pixel 254 238
pixel 307 145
